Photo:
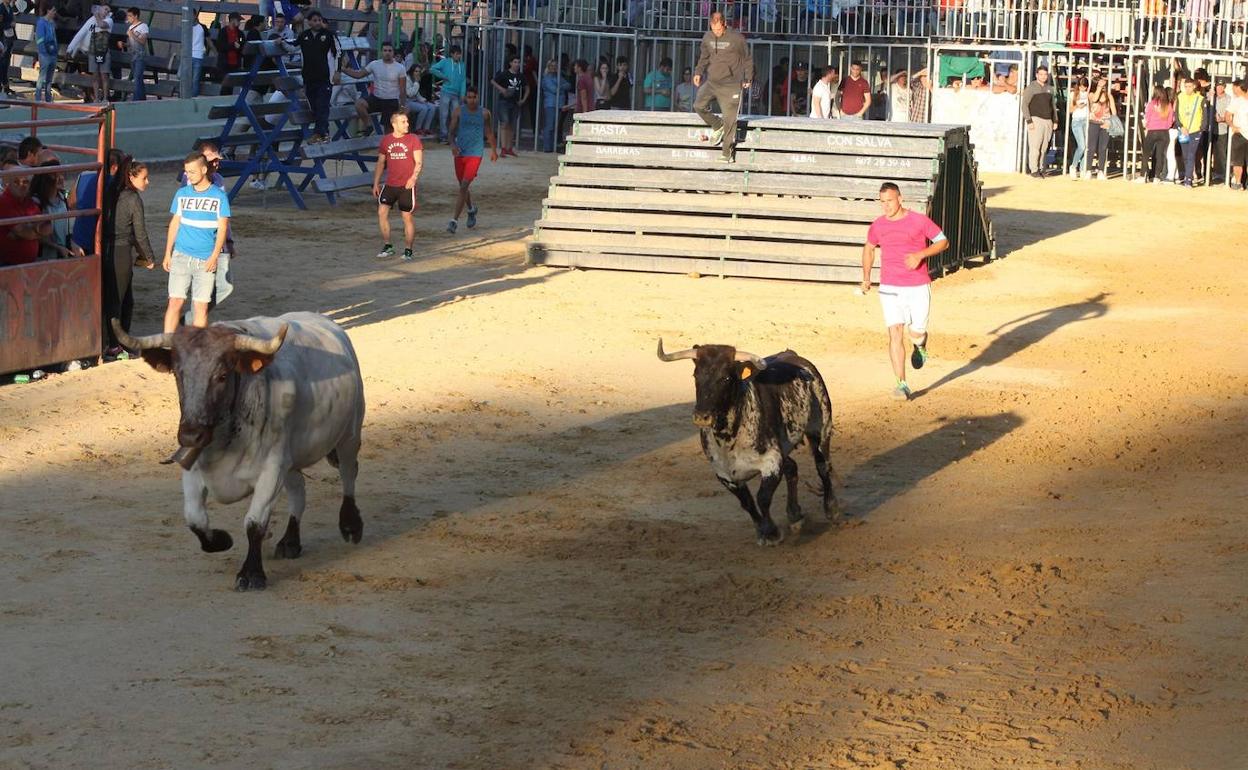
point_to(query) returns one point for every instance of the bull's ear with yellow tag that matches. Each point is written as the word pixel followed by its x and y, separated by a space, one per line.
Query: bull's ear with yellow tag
pixel 747 371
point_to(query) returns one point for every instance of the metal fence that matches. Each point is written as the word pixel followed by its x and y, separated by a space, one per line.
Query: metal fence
pixel 1197 25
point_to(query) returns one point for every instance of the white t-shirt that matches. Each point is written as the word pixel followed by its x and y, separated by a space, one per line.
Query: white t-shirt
pixel 197 41
pixel 821 100
pixel 139 28
pixel 1238 111
pixel 386 78
pixel 899 103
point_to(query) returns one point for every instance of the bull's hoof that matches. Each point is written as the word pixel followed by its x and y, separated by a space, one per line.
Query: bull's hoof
pixel 349 522
pixel 770 534
pixel 832 512
pixel 253 582
pixel 286 550
pixel 215 540
pixel 795 527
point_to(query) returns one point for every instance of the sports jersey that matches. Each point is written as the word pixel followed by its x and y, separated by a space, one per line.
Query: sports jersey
pixel 200 215
pixel 400 157
pixel 470 136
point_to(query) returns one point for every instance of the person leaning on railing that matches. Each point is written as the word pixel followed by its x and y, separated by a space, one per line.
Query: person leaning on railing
pixel 19 244
pixel 48 190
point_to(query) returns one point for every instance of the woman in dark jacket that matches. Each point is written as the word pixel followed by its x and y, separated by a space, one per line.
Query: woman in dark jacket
pixel 131 247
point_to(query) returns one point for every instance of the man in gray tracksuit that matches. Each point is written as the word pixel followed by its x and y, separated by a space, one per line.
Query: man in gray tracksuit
pixel 724 68
pixel 1040 112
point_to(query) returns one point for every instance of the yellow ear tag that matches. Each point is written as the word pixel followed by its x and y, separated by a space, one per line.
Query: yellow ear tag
pixel 746 371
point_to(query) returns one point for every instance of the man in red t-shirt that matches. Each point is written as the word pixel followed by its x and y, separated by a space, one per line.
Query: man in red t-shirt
pixel 902 236
pixel 855 94
pixel 399 157
pixel 19 244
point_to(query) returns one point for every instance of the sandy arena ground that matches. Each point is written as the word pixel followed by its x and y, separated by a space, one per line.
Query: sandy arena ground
pixel 1046 563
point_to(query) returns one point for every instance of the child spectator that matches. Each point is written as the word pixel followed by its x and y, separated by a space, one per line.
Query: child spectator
pixel 192 249
pixel 1158 120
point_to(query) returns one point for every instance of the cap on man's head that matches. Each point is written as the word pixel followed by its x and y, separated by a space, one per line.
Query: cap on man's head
pixel 801 65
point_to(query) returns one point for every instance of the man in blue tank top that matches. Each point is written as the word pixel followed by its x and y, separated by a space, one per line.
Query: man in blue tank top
pixel 470 130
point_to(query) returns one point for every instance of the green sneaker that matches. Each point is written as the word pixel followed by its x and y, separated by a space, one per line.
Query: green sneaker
pixel 386 252
pixel 919 356
pixel 717 136
pixel 901 392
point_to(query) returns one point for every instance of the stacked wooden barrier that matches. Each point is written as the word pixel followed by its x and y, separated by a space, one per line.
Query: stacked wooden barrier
pixel 645 191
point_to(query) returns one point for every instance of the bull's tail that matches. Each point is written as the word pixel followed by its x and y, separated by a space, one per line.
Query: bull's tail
pixel 332 457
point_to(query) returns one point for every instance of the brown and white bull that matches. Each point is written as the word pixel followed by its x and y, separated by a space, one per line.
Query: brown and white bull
pixel 753 412
pixel 260 400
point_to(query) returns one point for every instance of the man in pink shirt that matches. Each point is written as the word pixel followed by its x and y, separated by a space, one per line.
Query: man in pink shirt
pixel 903 237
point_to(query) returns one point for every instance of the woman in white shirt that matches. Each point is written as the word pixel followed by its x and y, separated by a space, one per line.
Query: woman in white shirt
pixel 422 111
pixel 899 97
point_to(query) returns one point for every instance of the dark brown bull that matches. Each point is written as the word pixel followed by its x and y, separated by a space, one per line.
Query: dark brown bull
pixel 753 412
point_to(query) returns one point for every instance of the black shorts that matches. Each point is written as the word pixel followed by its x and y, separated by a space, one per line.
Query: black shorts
pixel 400 197
pixel 1239 150
pixel 386 107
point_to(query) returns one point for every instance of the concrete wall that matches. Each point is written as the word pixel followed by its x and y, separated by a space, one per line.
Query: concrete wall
pixel 153 130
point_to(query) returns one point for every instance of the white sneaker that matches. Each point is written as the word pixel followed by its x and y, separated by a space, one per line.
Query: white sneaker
pixel 256 184
pixel 386 253
pixel 1140 180
pixel 1074 173
pixel 1103 176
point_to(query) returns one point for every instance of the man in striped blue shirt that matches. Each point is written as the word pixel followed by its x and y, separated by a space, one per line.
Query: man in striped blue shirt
pixel 201 215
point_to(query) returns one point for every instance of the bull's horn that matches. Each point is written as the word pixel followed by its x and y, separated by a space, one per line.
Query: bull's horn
pixel 140 343
pixel 758 363
pixel 248 344
pixel 690 353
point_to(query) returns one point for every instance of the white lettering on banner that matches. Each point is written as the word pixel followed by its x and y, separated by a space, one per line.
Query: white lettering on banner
pixel 691 154
pixel 994 121
pixel 600 130
pixel 884 162
pixel 625 151
pixel 211 205
pixel 802 159
pixel 847 140
pixel 701 134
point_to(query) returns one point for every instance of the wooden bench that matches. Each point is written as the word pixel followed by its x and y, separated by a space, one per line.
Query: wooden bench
pixel 643 191
pixel 335 184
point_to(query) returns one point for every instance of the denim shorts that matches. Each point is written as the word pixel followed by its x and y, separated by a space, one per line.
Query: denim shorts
pixel 186 273
pixel 507 112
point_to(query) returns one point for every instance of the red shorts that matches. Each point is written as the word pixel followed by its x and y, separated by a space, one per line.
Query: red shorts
pixel 466 167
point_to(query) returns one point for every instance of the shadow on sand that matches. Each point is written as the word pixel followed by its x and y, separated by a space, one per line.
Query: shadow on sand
pixel 1024 332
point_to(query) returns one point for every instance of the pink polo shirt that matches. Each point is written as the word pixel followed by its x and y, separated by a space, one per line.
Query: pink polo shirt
pixel 898 238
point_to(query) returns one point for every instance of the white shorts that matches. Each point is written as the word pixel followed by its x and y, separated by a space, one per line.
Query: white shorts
pixel 907 305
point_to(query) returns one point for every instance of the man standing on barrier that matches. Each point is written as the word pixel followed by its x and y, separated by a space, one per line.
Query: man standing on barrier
pixel 724 68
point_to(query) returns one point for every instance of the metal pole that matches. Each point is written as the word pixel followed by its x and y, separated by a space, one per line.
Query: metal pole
pixel 185 86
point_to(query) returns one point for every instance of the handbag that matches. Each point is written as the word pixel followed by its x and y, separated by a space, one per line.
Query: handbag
pixel 1116 130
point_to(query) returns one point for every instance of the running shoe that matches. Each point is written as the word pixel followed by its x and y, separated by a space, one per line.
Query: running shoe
pixel 452 226
pixel 386 253
pixel 901 392
pixel 256 184
pixel 407 255
pixel 919 356
pixel 717 136
pixel 472 217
